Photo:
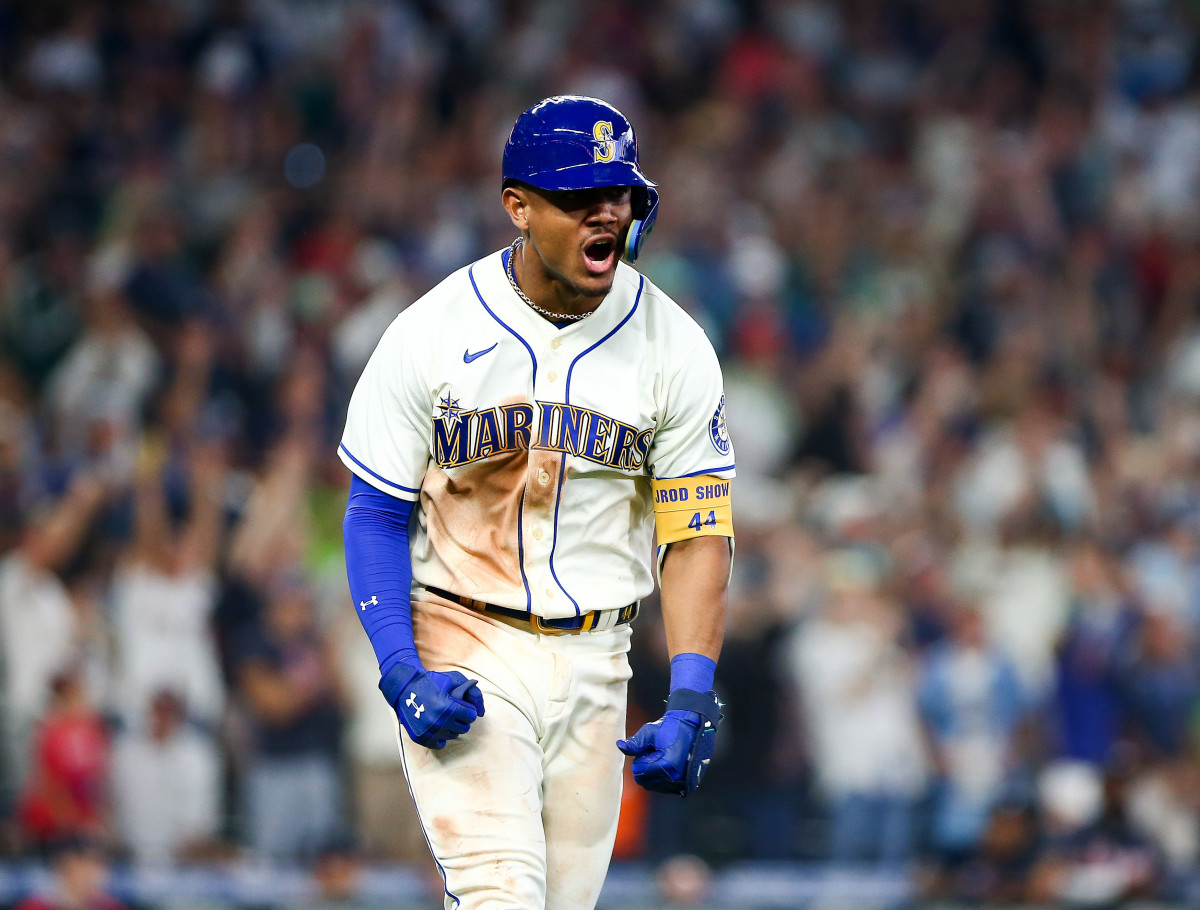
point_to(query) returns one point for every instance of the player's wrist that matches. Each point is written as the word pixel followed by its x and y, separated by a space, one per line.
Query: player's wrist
pixel 395 676
pixel 692 671
pixel 704 704
pixel 405 656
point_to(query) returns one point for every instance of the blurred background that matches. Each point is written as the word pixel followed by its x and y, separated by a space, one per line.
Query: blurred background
pixel 949 252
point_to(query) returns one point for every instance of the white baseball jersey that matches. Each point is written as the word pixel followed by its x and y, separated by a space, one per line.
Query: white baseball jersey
pixel 532 449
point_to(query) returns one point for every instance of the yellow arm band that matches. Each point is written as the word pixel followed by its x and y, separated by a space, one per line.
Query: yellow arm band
pixel 687 507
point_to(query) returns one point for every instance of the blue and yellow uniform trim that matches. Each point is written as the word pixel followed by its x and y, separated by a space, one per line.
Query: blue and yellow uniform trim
pixel 686 507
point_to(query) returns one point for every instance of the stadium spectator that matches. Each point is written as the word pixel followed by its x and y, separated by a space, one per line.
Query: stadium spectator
pixel 1092 854
pixel 860 706
pixel 972 704
pixel 1004 867
pixel 66 793
pixel 1160 687
pixel 1095 646
pixel 164 589
pixel 294 699
pixel 44 633
pixel 166 786
pixel 79 882
pixel 1163 805
pixel 109 372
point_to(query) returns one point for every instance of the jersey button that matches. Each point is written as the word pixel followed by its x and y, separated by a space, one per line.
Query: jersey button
pixel 549 592
pixel 537 533
pixel 543 478
pixel 552 376
pixel 556 343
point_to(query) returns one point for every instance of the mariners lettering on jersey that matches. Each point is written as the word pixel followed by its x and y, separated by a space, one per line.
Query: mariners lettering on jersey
pixel 462 437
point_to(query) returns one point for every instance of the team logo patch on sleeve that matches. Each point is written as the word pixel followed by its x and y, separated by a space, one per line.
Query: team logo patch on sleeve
pixel 718 431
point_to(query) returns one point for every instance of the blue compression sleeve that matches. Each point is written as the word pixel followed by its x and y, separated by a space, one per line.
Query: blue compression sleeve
pixel 379 567
pixel 692 671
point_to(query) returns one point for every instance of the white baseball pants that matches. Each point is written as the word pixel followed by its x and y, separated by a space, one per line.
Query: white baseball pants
pixel 521 811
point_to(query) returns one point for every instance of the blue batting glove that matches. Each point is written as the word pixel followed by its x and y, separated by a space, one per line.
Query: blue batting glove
pixel 670 755
pixel 432 707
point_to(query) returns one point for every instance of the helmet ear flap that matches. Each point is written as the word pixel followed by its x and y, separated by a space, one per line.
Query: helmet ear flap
pixel 640 202
pixel 645 212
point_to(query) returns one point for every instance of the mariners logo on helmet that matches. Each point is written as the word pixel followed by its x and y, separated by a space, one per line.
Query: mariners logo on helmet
pixel 606 148
pixel 572 142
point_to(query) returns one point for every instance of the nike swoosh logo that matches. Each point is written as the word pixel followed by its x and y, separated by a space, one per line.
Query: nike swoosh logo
pixel 468 356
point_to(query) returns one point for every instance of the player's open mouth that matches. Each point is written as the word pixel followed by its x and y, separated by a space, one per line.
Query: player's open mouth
pixel 600 253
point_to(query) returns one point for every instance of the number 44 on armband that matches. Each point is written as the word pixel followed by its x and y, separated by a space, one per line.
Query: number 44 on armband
pixel 696 524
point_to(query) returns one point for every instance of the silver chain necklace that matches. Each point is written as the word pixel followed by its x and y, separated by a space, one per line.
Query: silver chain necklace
pixel 512 279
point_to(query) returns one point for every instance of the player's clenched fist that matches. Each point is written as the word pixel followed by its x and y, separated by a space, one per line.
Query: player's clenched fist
pixel 433 707
pixel 671 754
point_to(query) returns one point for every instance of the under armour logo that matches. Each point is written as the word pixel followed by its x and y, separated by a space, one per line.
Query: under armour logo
pixel 373 602
pixel 411 702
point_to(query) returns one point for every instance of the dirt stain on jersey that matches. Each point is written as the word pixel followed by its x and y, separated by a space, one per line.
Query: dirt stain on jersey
pixel 471 519
pixel 541 490
pixel 473 512
pixel 446 834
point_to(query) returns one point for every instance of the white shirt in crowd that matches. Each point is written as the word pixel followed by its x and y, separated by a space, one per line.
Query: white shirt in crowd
pixel 165 641
pixel 39 638
pixel 166 794
pixel 860 705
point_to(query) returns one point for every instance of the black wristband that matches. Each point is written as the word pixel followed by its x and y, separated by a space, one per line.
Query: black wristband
pixel 706 704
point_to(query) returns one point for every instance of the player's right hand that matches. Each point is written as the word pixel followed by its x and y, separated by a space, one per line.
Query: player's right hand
pixel 433 707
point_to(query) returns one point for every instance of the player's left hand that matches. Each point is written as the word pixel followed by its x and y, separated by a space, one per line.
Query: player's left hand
pixel 670 755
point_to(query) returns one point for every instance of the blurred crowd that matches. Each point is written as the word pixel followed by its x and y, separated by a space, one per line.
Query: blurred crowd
pixel 948 250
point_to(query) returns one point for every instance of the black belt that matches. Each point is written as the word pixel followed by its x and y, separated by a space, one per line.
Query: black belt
pixel 593 620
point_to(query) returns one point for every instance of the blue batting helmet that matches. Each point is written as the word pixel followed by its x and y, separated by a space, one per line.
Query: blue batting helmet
pixel 572 142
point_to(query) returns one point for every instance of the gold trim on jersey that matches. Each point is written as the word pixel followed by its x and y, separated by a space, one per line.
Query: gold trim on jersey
pixel 686 507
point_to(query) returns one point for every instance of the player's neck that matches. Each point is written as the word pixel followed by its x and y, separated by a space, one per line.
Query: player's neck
pixel 548 291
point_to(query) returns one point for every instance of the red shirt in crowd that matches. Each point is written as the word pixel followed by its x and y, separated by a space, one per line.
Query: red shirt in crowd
pixel 67 784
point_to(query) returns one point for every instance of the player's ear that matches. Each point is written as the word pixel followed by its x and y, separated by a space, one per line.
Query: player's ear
pixel 515 199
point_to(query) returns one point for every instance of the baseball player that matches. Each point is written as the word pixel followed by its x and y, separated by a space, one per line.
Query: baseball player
pixel 517 439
